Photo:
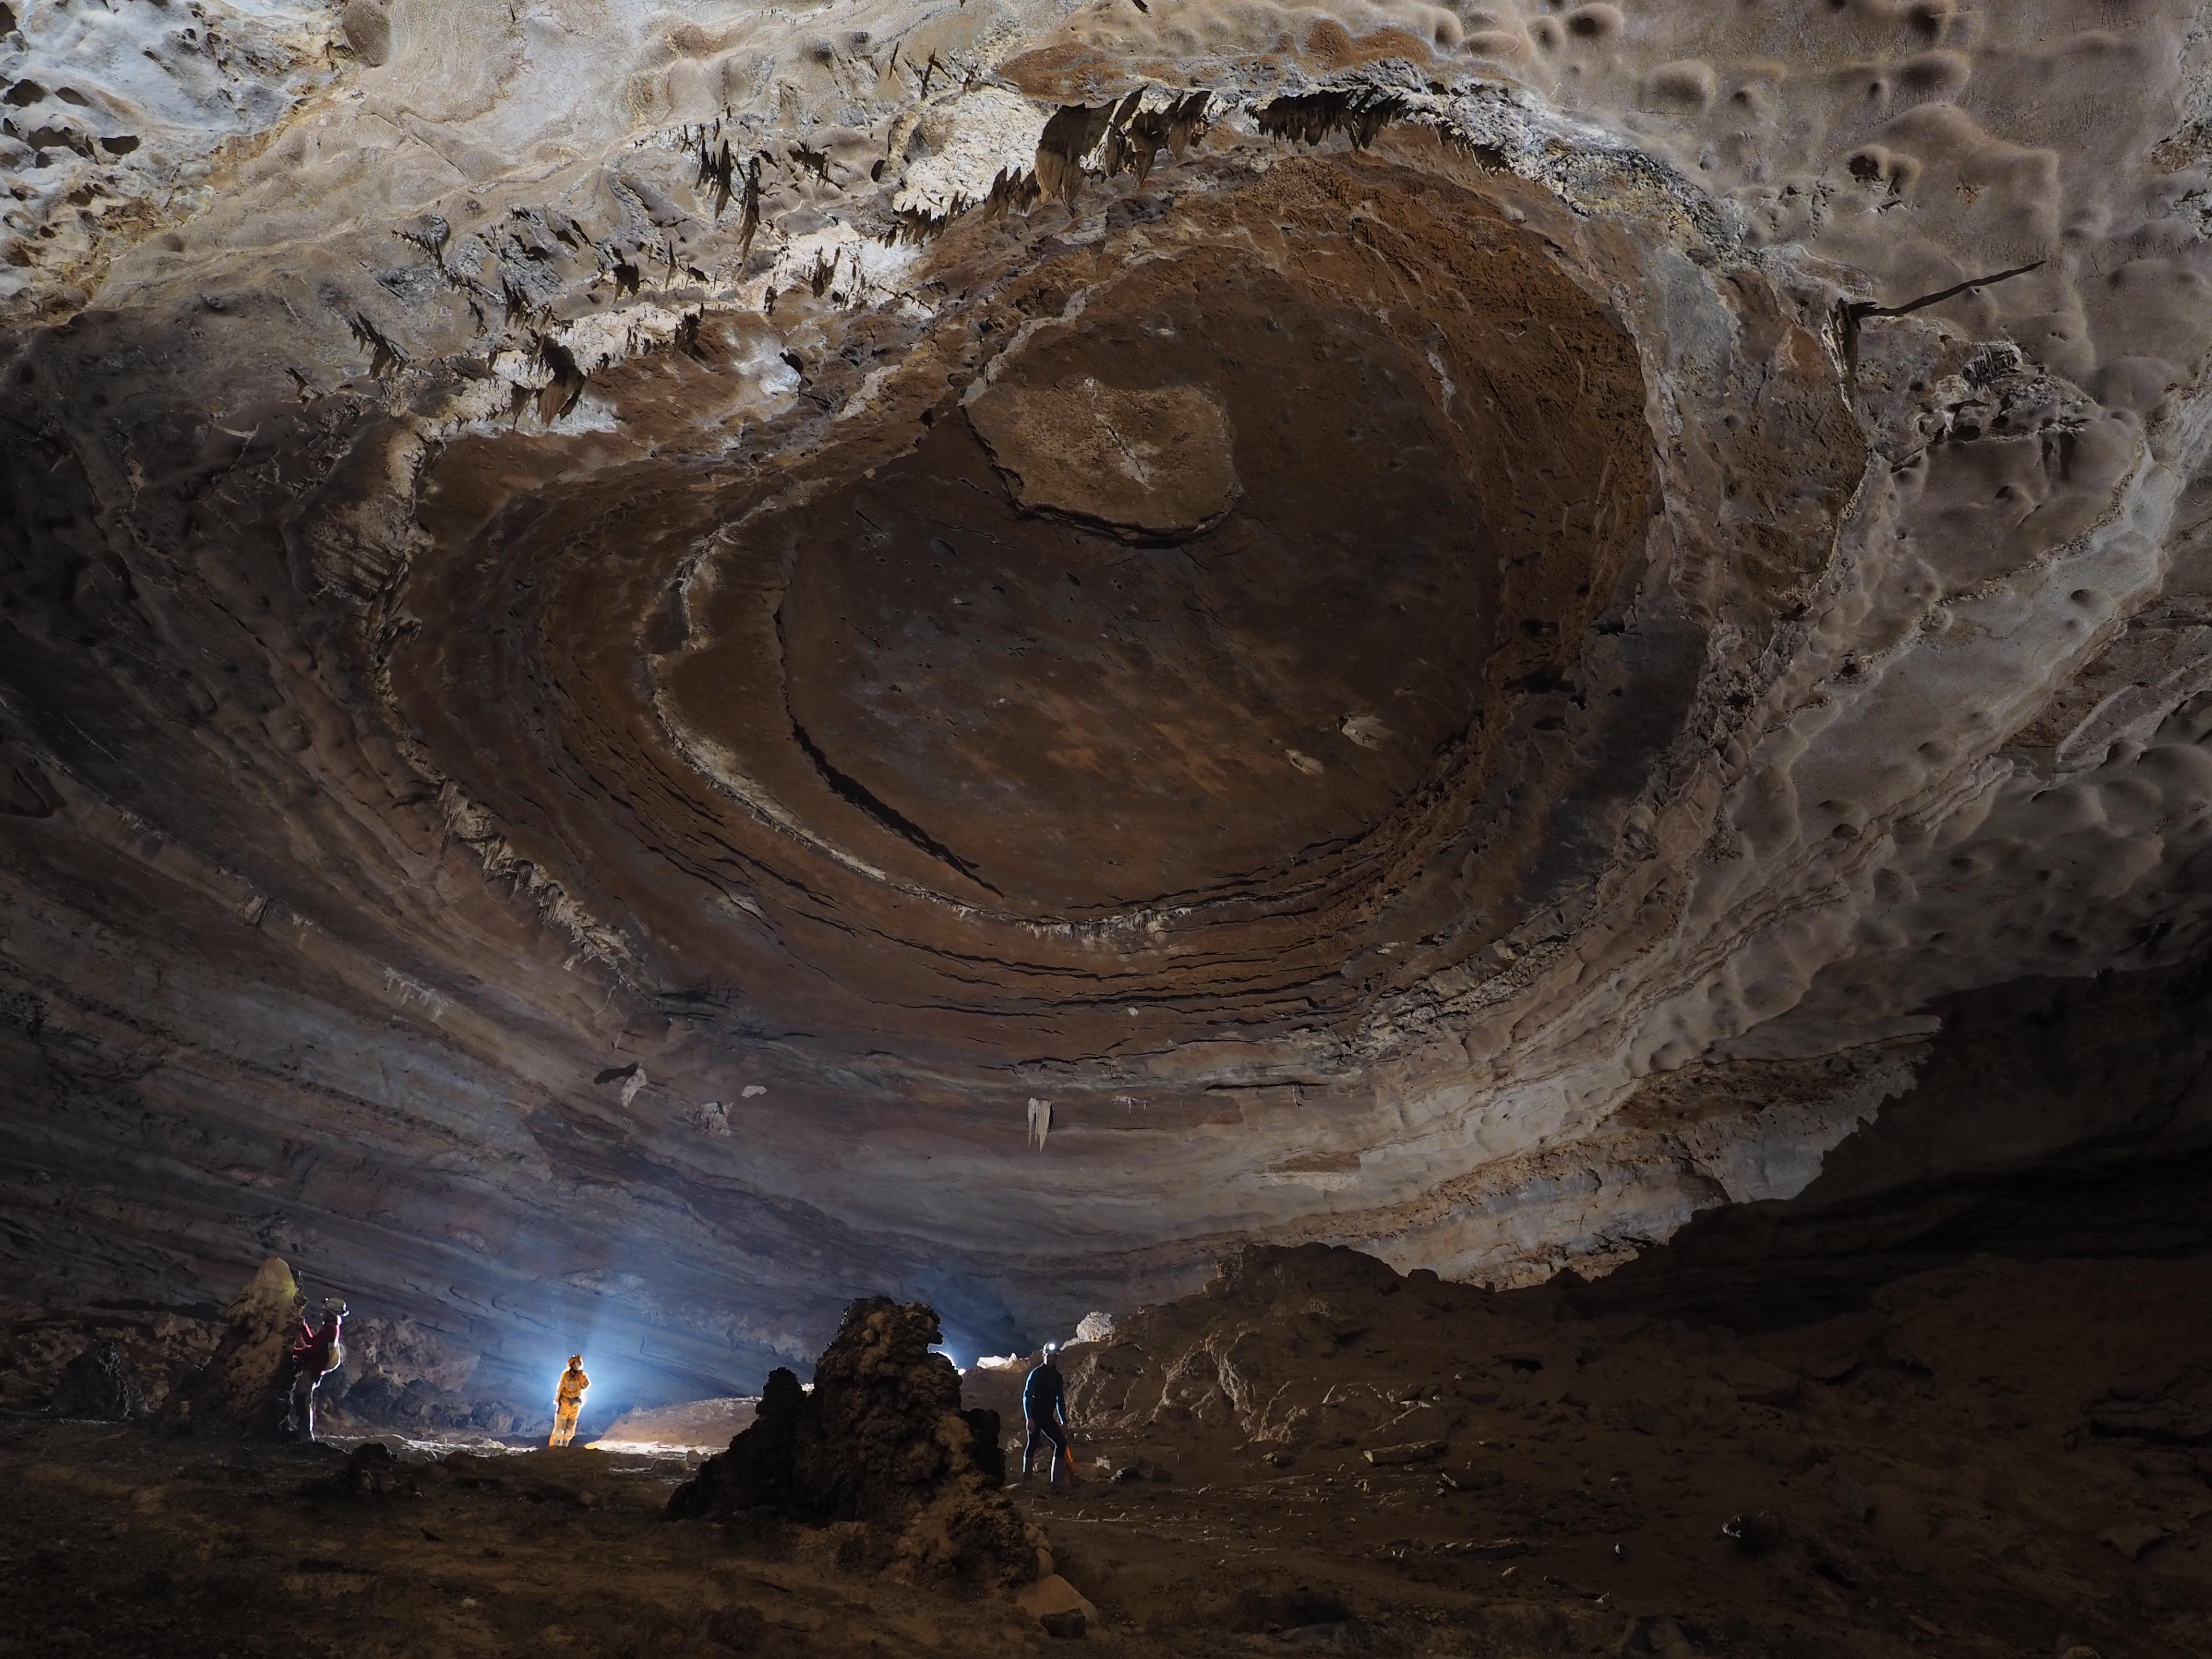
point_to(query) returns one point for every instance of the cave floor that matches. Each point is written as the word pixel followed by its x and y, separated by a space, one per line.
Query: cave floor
pixel 1994 1456
pixel 123 1543
pixel 1992 1461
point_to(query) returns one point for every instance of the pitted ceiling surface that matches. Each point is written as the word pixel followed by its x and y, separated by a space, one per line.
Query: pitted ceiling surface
pixel 980 650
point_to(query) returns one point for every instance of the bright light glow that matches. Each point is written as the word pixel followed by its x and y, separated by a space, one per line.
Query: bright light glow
pixel 602 1401
pixel 602 1373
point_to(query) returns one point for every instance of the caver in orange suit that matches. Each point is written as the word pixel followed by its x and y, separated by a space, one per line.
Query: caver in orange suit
pixel 567 1400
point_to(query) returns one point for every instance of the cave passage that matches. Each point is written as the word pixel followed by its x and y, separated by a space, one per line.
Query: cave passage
pixel 1456 760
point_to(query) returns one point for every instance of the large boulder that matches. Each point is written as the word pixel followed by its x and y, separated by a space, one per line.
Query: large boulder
pixel 100 1385
pixel 240 1391
pixel 881 1439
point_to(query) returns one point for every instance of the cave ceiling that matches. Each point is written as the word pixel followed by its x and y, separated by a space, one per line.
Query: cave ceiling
pixel 662 664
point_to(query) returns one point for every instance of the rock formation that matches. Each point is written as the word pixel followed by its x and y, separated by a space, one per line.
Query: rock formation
pixel 157 1345
pixel 240 1391
pixel 2029 1433
pixel 880 1439
pixel 658 669
pixel 99 1384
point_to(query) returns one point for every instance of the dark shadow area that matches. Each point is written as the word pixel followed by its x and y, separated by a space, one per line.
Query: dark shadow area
pixel 2054 1119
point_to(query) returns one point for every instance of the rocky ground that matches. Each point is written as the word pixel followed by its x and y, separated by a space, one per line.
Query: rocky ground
pixel 1988 1458
pixel 601 728
pixel 396 1379
pixel 1994 1457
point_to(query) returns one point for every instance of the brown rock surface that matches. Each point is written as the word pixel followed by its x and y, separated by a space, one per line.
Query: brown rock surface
pixel 1957 1474
pixel 99 1385
pixel 1155 462
pixel 240 1391
pixel 611 734
pixel 879 1439
pixel 157 1345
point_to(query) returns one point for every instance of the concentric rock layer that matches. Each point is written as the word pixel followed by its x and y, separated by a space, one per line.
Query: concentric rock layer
pixel 977 758
pixel 984 655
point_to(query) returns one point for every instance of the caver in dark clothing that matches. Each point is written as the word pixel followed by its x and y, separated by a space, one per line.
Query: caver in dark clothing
pixel 1044 1395
pixel 1044 1406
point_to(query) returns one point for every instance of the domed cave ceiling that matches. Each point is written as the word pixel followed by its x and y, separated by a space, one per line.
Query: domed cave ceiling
pixel 659 666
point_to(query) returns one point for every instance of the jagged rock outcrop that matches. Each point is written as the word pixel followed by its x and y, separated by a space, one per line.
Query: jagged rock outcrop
pixel 158 1345
pixel 880 1439
pixel 2013 1413
pixel 398 1375
pixel 240 1391
pixel 100 1384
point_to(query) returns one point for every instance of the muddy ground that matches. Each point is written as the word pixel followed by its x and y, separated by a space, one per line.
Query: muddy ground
pixel 1996 1458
